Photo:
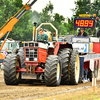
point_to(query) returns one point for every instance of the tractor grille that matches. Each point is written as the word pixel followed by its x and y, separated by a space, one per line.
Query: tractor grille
pixel 30 44
pixel 31 54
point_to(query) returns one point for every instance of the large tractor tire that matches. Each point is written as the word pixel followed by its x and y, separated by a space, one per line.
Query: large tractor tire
pixel 21 55
pixel 15 51
pixel 52 71
pixel 65 58
pixel 11 64
pixel 74 67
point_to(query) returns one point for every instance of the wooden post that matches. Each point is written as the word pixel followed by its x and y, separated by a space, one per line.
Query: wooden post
pixel 94 84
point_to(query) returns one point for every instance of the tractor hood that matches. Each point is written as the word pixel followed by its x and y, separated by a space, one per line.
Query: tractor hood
pixel 35 44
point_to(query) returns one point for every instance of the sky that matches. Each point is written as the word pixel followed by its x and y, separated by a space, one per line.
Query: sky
pixel 63 7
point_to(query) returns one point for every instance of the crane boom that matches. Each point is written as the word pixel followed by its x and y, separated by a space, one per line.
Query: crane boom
pixel 8 27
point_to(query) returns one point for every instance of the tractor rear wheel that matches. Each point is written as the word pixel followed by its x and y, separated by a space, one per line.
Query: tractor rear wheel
pixel 14 51
pixel 65 58
pixel 52 71
pixel 74 67
pixel 11 64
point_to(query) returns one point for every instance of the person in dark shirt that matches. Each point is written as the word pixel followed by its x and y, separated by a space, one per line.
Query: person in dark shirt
pixel 82 33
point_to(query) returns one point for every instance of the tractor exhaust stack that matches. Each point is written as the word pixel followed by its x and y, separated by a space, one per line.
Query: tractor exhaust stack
pixel 34 31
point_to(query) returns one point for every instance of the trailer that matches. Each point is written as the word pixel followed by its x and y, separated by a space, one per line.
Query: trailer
pixel 88 48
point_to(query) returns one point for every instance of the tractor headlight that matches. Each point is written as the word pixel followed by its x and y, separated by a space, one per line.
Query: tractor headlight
pixel 35 59
pixel 27 59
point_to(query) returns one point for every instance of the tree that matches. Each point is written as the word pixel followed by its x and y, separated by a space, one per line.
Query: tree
pixel 68 27
pixel 82 7
pixel 58 18
pixel 86 7
pixel 45 15
pixel 18 3
pixel 23 29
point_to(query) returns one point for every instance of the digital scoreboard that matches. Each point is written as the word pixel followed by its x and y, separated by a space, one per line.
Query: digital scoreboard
pixel 84 23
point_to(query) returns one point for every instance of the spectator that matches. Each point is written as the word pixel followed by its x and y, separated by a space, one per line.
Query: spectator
pixel 82 33
pixel 5 52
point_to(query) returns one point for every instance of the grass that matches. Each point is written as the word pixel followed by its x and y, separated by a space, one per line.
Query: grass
pixel 86 94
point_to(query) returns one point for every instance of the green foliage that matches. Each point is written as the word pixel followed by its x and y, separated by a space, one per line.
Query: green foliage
pixel 46 16
pixel 82 7
pixel 58 18
pixel 18 3
pixel 24 28
pixel 49 8
pixel 86 7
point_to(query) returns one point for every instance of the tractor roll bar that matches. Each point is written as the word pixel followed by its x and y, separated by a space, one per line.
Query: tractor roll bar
pixel 47 24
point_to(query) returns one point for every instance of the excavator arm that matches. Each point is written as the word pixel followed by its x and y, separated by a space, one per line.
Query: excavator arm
pixel 8 26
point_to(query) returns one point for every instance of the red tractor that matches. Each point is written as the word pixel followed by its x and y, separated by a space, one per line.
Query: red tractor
pixel 53 63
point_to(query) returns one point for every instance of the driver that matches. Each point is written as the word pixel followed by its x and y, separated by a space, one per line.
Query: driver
pixel 42 36
pixel 82 33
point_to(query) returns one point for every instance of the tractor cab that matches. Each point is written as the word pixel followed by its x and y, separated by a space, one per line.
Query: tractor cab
pixel 84 44
pixel 36 51
pixel 52 37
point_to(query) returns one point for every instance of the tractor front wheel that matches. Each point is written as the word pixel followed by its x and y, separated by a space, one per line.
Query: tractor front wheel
pixel 11 64
pixel 52 71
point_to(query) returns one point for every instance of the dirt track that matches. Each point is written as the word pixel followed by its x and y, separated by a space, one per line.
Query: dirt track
pixel 32 91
